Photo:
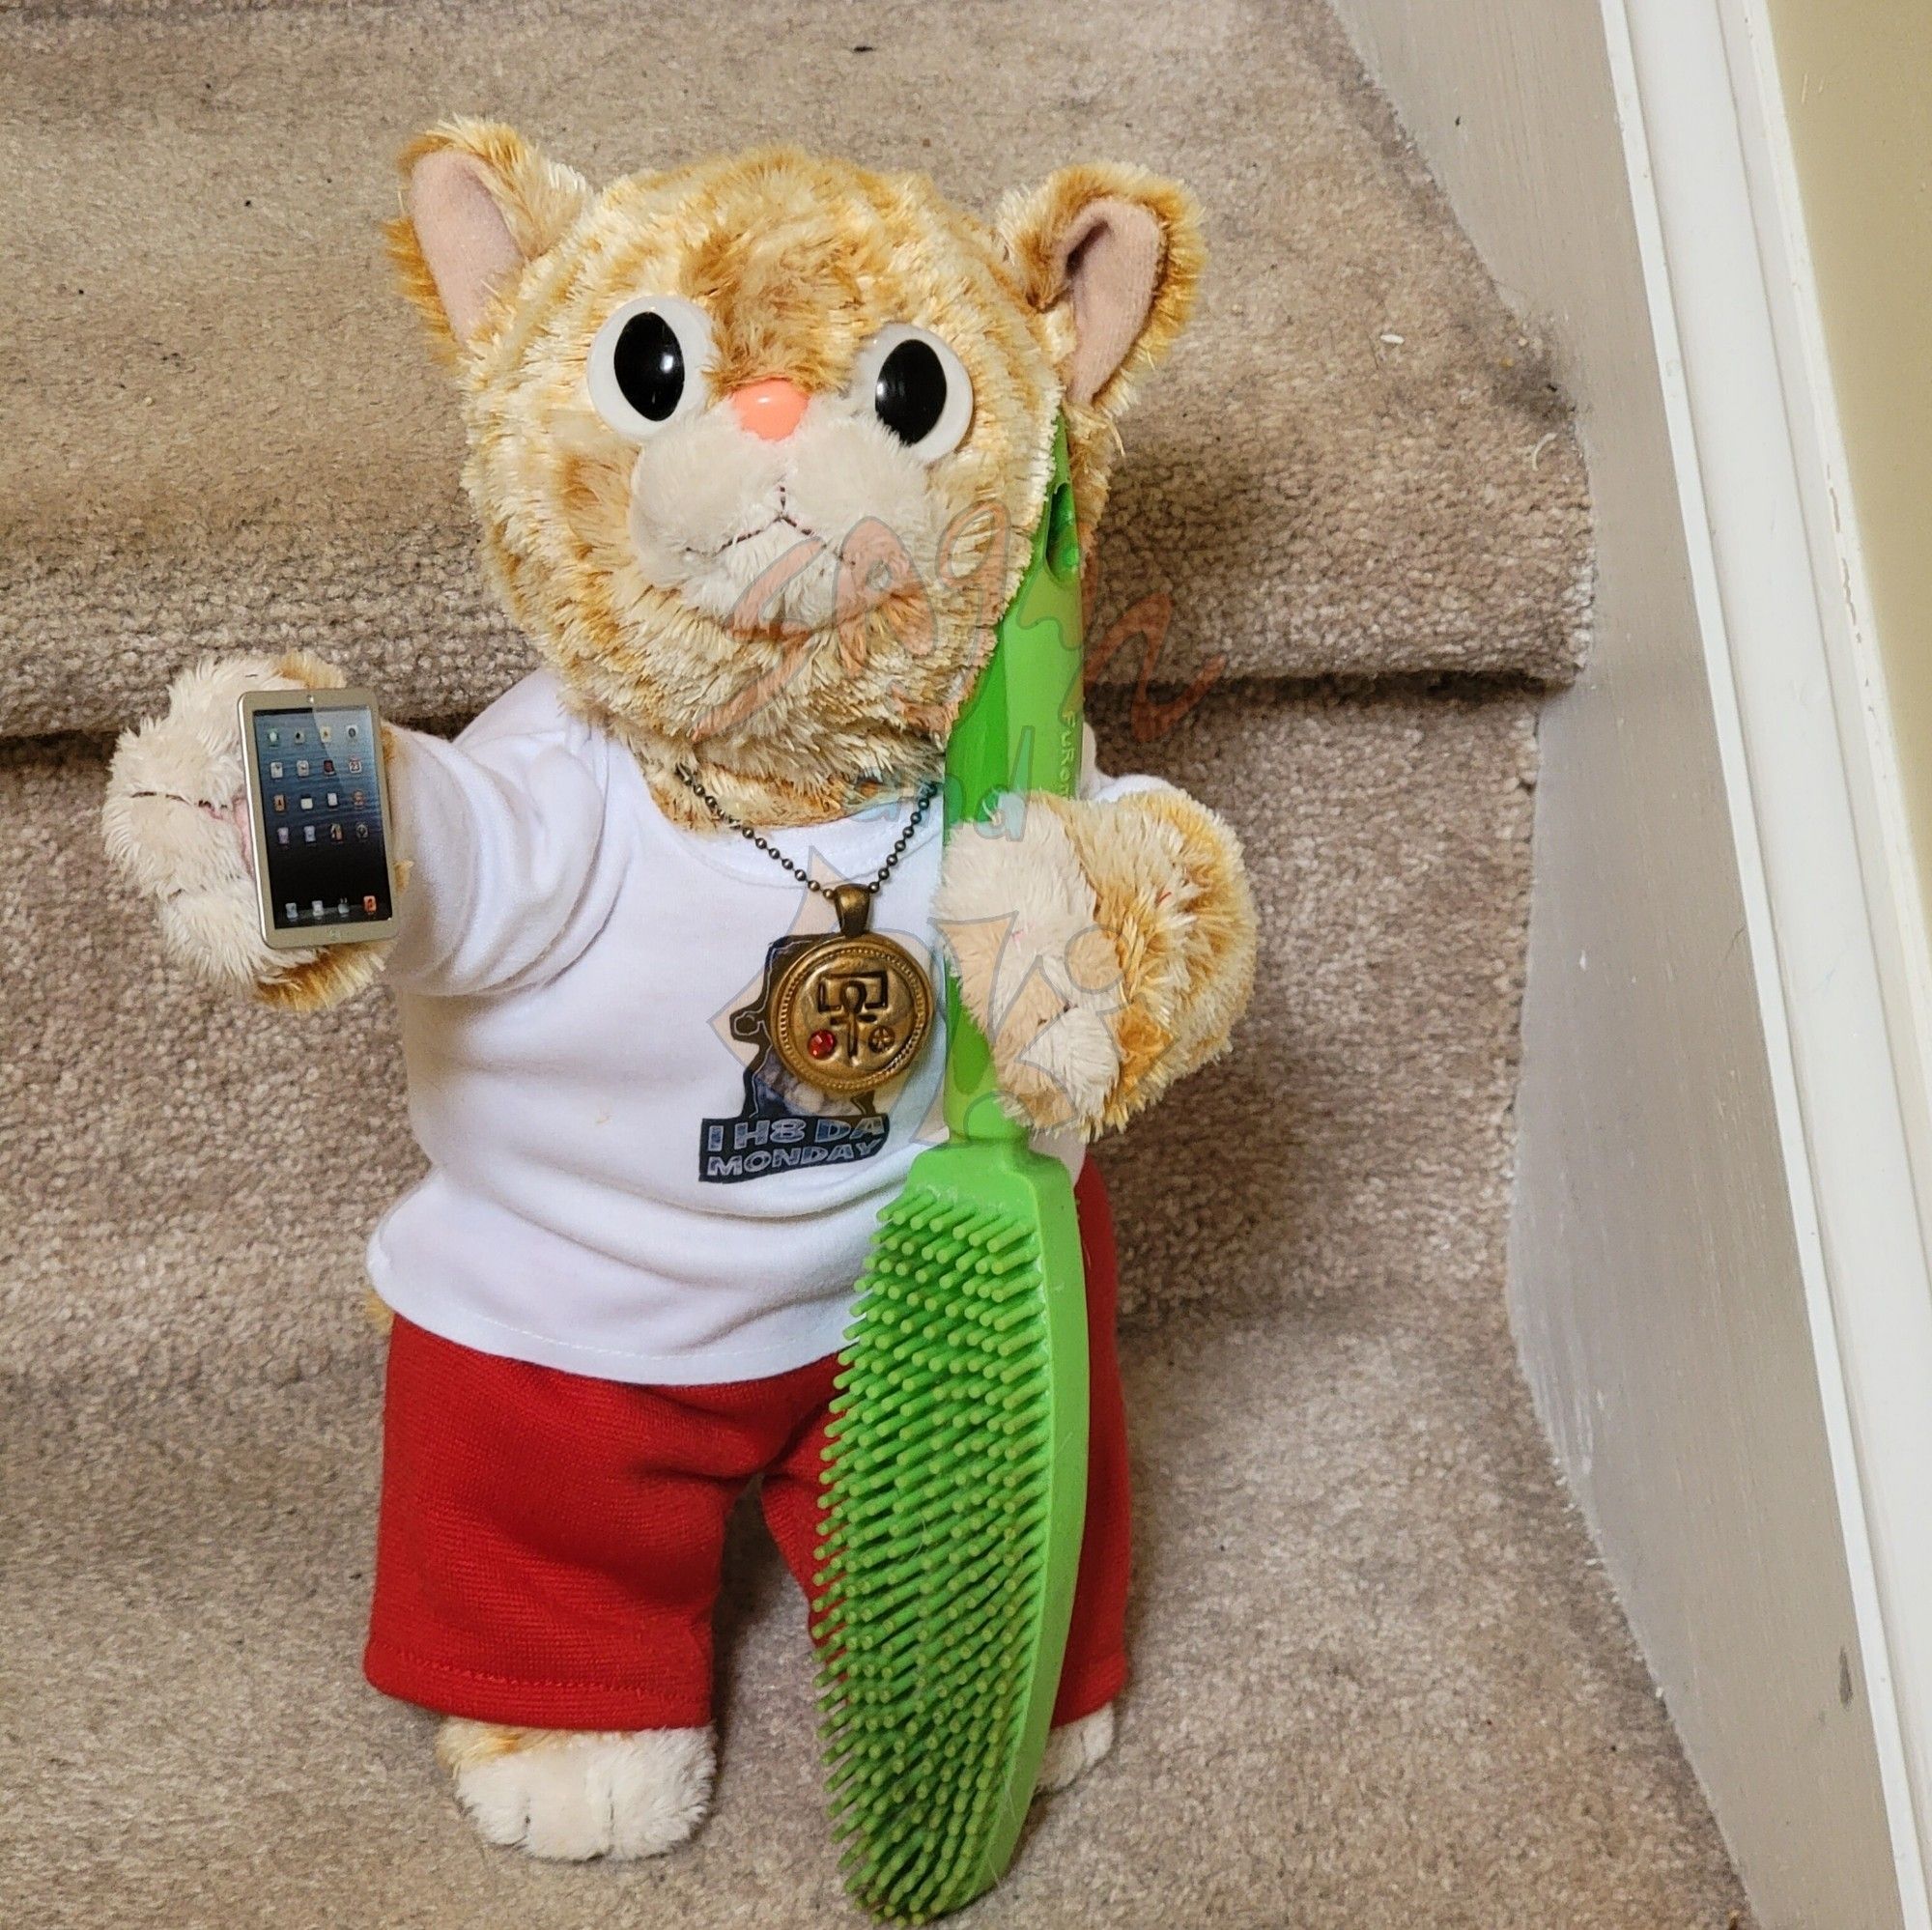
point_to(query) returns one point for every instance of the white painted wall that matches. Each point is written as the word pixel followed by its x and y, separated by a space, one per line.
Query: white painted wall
pixel 1668 1322
pixel 1855 78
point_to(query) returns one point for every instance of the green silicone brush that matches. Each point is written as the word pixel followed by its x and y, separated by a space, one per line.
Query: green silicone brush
pixel 956 1481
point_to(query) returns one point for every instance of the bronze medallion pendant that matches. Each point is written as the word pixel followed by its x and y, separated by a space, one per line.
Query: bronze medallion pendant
pixel 850 1012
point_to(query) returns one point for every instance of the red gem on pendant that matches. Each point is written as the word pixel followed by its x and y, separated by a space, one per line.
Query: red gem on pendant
pixel 822 1044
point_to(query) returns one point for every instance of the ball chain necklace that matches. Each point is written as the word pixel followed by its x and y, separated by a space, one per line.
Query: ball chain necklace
pixel 849 1010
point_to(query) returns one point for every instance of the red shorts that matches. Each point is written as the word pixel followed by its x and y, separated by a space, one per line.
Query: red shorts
pixel 549 1546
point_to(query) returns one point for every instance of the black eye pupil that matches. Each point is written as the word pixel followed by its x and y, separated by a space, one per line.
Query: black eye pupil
pixel 649 366
pixel 909 395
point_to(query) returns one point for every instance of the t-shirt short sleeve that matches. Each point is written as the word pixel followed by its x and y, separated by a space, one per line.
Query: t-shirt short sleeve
pixel 504 832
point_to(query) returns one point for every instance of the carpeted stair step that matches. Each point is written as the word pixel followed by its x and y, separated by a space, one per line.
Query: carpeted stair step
pixel 1378 1682
pixel 188 1179
pixel 223 429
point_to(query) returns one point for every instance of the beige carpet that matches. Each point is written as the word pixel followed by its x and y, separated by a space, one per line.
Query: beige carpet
pixel 1378 1680
pixel 1377 1687
pixel 222 426
pixel 1364 1117
pixel 1380 1684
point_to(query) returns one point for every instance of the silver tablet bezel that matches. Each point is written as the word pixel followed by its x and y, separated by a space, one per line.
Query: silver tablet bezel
pixel 311 937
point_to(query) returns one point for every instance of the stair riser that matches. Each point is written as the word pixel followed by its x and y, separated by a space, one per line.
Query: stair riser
pixel 189 1180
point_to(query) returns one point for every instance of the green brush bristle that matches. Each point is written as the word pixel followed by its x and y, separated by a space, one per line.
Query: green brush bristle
pixel 936 1546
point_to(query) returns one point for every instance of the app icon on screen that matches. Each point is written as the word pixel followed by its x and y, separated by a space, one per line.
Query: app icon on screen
pixel 351 731
pixel 274 737
pixel 282 834
pixel 336 834
pixel 281 802
pixel 314 905
pixel 308 833
pixel 290 911
pixel 328 767
pixel 323 733
pixel 302 767
pixel 275 770
pixel 361 830
pixel 308 804
pixel 369 903
pixel 331 797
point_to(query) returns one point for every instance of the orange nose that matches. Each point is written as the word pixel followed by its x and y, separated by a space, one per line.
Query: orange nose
pixel 769 408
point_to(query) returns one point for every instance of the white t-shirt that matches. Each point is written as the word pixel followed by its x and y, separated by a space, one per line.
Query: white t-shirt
pixel 619 1185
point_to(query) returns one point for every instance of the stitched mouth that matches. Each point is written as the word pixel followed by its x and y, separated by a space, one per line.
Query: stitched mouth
pixel 784 520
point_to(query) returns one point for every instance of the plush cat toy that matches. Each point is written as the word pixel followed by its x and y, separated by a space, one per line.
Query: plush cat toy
pixel 757 447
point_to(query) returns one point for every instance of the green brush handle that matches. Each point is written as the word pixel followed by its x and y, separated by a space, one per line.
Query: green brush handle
pixel 1019 731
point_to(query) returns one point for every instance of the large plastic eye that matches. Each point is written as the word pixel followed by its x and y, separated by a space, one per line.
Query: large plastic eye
pixel 647 364
pixel 917 387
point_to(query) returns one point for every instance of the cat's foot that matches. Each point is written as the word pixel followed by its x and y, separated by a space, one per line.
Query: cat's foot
pixel 570 1795
pixel 1073 1749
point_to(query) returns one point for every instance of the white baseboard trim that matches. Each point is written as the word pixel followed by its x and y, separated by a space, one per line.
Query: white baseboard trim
pixel 1716 1282
pixel 1815 810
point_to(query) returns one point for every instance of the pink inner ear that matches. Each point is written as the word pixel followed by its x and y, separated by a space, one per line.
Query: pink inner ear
pixel 1111 256
pixel 463 236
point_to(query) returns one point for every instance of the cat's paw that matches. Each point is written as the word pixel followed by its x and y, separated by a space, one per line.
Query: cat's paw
pixel 175 821
pixel 572 1795
pixel 1073 1749
pixel 1019 922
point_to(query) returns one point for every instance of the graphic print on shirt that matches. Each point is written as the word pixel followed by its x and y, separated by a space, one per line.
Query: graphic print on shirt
pixel 784 1124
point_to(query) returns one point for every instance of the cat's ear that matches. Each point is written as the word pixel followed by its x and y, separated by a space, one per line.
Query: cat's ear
pixel 1115 254
pixel 479 204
